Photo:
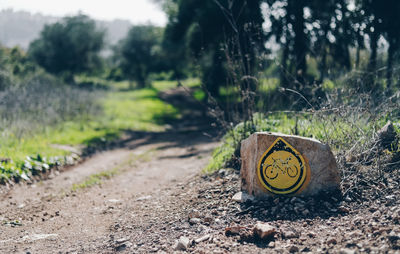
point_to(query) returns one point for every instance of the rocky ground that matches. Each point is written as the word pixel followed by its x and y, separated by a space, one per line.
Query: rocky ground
pixel 200 216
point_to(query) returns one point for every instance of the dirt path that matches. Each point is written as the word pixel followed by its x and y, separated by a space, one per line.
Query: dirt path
pixel 148 195
pixel 50 217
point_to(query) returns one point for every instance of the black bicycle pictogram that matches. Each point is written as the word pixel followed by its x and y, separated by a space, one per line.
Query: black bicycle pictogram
pixel 272 171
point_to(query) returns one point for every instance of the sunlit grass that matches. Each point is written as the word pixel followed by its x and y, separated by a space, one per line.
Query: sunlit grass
pixel 94 179
pixel 339 133
pixel 18 149
pixel 164 85
pixel 122 111
pixel 199 94
pixel 223 153
pixel 132 110
pixel 268 85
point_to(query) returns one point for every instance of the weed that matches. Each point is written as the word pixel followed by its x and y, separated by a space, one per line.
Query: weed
pixel 95 179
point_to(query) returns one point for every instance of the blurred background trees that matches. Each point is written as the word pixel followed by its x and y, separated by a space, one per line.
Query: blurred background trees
pixel 306 45
pixel 139 53
pixel 204 28
pixel 69 47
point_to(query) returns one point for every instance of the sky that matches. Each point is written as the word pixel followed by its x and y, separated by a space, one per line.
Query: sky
pixel 137 11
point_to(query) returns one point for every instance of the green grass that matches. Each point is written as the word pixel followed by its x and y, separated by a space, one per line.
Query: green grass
pixel 340 133
pixel 94 179
pixel 231 140
pixel 221 155
pixel 140 110
pixel 129 110
pixel 164 85
pixel 132 110
pixel 159 85
pixel 199 94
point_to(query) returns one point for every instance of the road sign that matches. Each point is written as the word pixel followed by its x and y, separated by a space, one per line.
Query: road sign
pixel 282 169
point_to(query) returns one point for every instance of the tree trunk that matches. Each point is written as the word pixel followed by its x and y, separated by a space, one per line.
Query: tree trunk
pixel 300 47
pixel 322 65
pixel 374 49
pixel 131 85
pixel 345 55
pixel 372 65
pixel 140 77
pixel 69 78
pixel 358 57
pixel 284 70
pixel 360 44
pixel 214 75
pixel 389 65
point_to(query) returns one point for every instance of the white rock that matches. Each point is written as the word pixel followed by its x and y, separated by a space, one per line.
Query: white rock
pixel 182 244
pixel 203 238
pixel 121 240
pixel 242 197
pixel 264 230
pixel 113 200
pixel 143 198
pixel 36 237
pixel 194 220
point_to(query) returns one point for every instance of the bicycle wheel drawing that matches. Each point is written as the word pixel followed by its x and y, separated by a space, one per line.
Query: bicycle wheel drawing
pixel 292 170
pixel 271 172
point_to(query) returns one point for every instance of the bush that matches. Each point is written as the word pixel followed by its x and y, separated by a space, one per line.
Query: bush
pixel 42 101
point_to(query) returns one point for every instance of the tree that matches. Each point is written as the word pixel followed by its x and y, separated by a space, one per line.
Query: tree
pixel 68 47
pixel 288 29
pixel 205 27
pixel 321 29
pixel 140 52
pixel 387 14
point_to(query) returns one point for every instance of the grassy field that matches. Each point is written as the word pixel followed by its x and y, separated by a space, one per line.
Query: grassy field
pixel 119 110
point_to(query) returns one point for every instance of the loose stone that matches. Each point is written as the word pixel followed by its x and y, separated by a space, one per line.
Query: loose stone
pixel 264 231
pixel 182 244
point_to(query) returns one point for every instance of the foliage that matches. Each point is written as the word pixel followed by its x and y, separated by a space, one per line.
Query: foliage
pixel 21 27
pixel 16 62
pixel 192 28
pixel 317 40
pixel 68 47
pixel 15 66
pixel 32 166
pixel 139 53
pixel 384 21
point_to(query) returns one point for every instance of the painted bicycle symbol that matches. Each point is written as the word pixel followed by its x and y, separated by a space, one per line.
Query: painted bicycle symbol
pixel 280 166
